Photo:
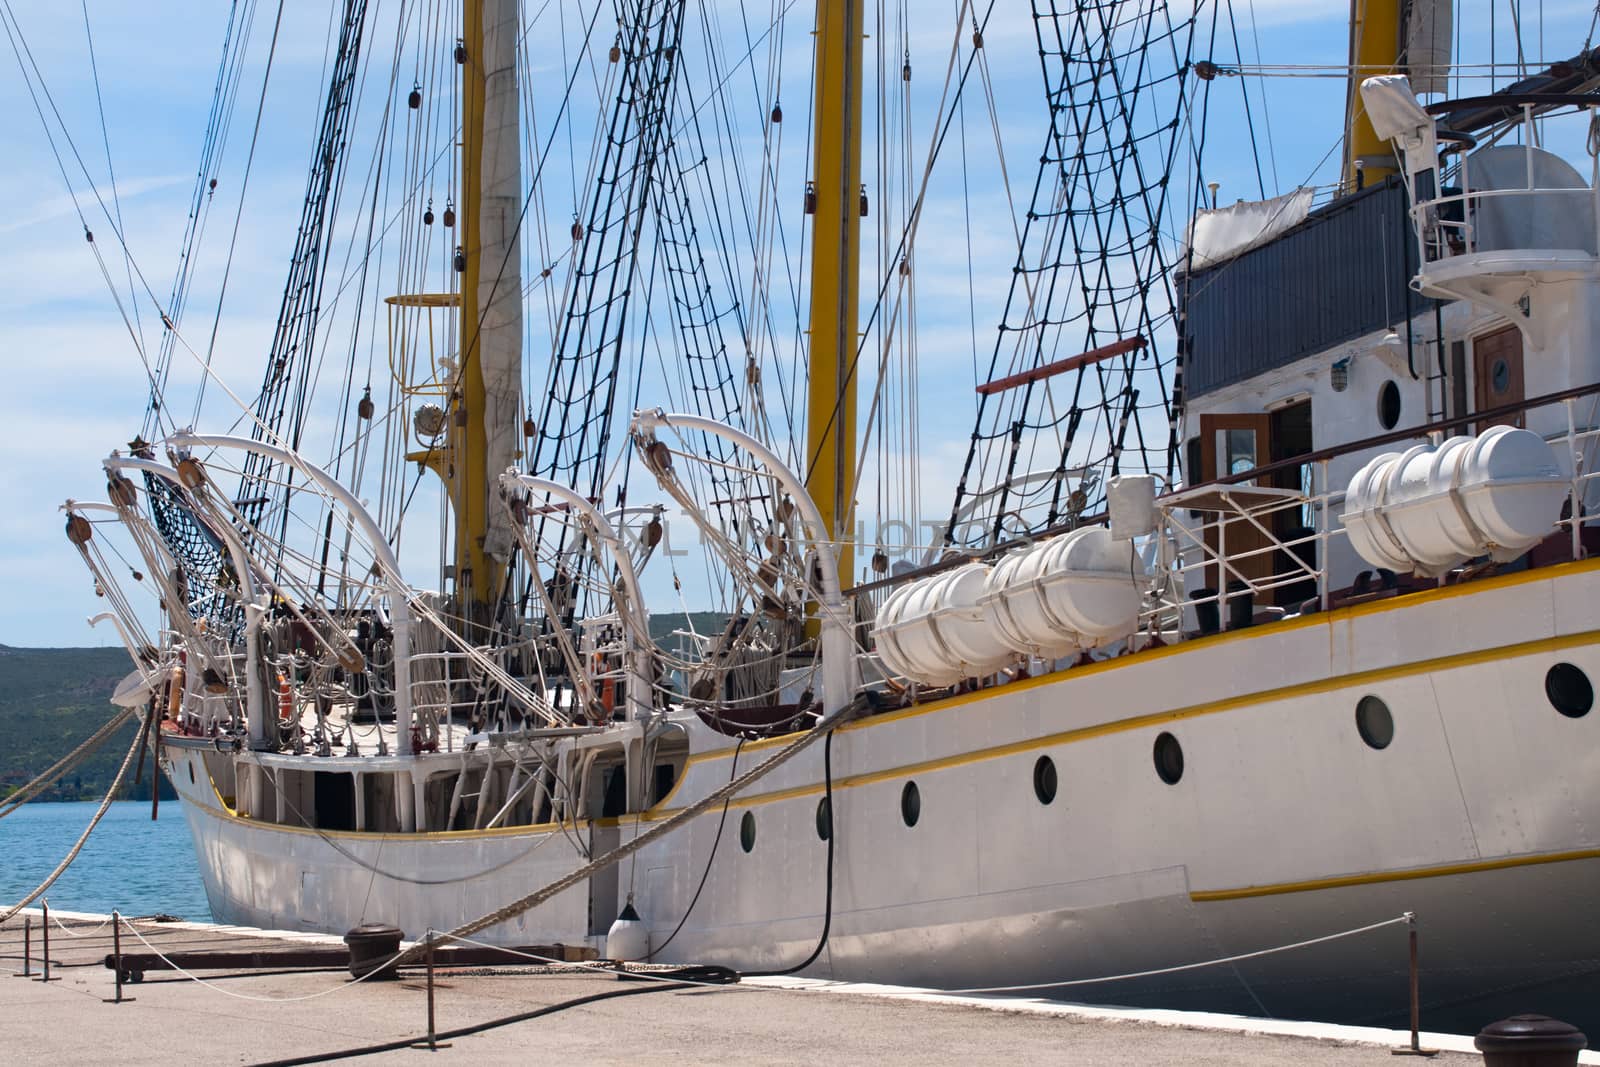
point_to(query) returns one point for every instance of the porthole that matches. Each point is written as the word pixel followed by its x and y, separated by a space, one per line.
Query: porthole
pixel 911 804
pixel 1500 376
pixel 1169 758
pixel 1388 405
pixel 1374 722
pixel 1044 779
pixel 191 774
pixel 747 831
pixel 1569 690
pixel 824 819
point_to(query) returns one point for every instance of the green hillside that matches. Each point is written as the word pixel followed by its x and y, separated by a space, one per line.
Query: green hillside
pixel 50 700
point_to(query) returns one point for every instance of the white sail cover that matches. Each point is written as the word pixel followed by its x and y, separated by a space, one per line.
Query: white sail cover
pixel 1392 106
pixel 499 347
pixel 1428 45
pixel 1220 234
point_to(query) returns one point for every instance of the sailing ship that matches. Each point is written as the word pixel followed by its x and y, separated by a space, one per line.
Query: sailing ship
pixel 1263 609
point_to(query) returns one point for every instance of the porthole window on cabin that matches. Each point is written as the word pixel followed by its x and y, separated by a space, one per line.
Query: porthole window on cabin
pixel 1169 758
pixel 1388 405
pixel 911 803
pixel 747 831
pixel 1374 722
pixel 824 819
pixel 1569 690
pixel 1044 779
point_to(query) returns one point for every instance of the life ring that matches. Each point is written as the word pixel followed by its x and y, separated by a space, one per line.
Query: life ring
pixel 285 699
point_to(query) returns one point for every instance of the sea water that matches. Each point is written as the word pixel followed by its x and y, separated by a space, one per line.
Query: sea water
pixel 131 864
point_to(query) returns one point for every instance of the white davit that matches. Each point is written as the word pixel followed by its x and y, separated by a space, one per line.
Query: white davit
pixel 1070 592
pixel 1430 508
pixel 935 631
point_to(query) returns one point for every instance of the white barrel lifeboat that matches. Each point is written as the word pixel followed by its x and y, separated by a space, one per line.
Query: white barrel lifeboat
pixel 936 631
pixel 1430 508
pixel 1070 592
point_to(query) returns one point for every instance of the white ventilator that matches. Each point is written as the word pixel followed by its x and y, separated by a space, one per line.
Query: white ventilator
pixel 1430 508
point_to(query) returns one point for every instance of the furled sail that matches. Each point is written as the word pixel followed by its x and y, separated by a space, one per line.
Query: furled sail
pixel 499 353
pixel 1428 45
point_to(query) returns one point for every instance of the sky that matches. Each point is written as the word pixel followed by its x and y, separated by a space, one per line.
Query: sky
pixel 76 387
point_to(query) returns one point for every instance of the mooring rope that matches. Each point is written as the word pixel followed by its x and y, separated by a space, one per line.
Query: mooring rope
pixel 105 805
pixel 64 764
pixel 622 852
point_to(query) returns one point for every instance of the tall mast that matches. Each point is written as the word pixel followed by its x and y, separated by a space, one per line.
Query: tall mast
pixel 1375 48
pixel 485 410
pixel 835 270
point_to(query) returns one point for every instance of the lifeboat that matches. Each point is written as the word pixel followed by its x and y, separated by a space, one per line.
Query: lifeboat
pixel 1430 508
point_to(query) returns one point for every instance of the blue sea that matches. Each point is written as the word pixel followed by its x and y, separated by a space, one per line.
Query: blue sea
pixel 131 864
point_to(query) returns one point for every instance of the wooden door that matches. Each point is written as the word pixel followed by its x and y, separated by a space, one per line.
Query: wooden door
pixel 1233 444
pixel 1497 375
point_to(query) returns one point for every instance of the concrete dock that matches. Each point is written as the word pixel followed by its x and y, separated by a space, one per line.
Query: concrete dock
pixel 259 1017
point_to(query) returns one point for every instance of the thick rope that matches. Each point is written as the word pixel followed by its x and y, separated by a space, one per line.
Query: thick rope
pixel 105 804
pixel 64 764
pixel 622 852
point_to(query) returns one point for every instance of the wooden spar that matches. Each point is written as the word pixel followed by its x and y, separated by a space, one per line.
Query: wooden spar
pixel 1061 366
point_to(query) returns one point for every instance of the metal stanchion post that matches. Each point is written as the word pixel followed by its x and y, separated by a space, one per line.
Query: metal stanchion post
pixel 116 953
pixel 27 947
pixel 1415 1048
pixel 45 926
pixel 432 1044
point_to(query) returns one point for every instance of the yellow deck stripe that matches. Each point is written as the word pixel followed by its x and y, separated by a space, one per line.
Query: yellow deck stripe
pixel 1065 737
pixel 1193 645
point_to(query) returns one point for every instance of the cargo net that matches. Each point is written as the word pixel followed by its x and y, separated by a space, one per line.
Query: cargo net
pixel 1078 389
pixel 204 571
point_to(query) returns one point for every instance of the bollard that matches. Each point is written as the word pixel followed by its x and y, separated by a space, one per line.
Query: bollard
pixel 372 947
pixel 1530 1041
pixel 27 947
pixel 1415 1048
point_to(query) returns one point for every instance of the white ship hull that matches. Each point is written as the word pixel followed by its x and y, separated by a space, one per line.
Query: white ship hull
pixel 1481 816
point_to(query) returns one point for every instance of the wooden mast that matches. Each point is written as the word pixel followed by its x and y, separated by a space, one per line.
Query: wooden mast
pixel 835 269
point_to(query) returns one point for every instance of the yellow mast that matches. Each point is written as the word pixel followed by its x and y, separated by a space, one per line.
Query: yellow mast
pixel 835 269
pixel 477 574
pixel 1375 41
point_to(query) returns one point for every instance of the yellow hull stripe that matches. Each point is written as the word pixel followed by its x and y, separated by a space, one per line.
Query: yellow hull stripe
pixel 1207 896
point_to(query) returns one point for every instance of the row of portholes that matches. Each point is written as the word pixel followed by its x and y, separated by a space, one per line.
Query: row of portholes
pixel 1566 686
pixel 1044 787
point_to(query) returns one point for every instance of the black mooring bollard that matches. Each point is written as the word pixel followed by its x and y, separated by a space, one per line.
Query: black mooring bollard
pixel 1530 1041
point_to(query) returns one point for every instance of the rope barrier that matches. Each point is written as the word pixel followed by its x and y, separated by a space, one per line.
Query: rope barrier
pixel 1406 918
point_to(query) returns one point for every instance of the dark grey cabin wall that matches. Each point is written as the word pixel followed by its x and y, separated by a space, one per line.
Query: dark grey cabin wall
pixel 1341 273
